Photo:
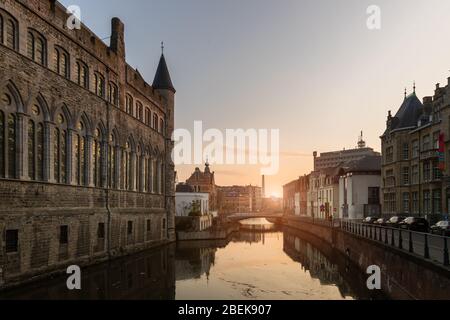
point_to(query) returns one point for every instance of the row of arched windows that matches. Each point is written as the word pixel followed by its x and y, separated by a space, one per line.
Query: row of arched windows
pixel 37 51
pixel 137 110
pixel 53 152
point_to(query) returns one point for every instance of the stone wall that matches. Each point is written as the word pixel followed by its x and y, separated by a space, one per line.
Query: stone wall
pixel 404 276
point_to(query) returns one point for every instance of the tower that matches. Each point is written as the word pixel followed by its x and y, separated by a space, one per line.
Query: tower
pixel 162 84
pixel 361 142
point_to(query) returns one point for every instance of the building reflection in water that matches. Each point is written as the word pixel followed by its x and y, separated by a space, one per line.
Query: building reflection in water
pixel 149 276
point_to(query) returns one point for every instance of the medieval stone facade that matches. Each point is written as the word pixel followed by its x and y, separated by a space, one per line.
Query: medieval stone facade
pixel 85 145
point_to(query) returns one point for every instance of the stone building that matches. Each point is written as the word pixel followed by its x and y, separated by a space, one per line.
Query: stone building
pixel 416 160
pixel 85 145
pixel 334 158
pixel 239 199
pixel 205 182
pixel 295 196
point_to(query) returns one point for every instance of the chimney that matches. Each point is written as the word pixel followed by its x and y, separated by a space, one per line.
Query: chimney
pixel 117 43
pixel 263 186
pixel 315 159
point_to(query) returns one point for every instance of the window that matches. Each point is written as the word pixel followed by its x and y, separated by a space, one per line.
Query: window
pixel 415 202
pixel 406 202
pixel 149 225
pixel 437 173
pixel 139 111
pixel 155 176
pixel 405 176
pixel 436 140
pixel 130 228
pixel 61 62
pixel 36 47
pixel 60 150
pixel 148 115
pixel 155 121
pixel 415 174
pixel 2 143
pixel 149 174
pixel 426 171
pixel 426 202
pixel 101 230
pixel 161 126
pixel 374 195
pixel 113 94
pixel 129 104
pixel 437 204
pixel 36 145
pixel 127 165
pixel 389 154
pixel 1 28
pixel 415 149
pixel 112 162
pixel 11 34
pixel 389 203
pixel 11 149
pixel 99 85
pixel 405 151
pixel 164 223
pixel 82 74
pixel 80 154
pixel 12 241
pixel 426 143
pixel 63 234
pixel 97 157
pixel 390 178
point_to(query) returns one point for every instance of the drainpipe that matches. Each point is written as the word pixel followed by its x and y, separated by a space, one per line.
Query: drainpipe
pixel 108 208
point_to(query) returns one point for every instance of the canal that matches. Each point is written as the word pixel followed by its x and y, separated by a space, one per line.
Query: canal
pixel 261 261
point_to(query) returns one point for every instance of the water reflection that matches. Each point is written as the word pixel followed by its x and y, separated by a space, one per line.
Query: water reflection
pixel 259 264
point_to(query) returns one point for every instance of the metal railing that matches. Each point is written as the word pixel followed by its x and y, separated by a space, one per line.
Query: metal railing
pixel 428 246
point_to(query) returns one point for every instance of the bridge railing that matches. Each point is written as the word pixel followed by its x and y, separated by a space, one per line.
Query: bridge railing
pixel 428 246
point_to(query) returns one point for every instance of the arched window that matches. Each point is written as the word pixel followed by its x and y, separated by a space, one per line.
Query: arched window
pixel 148 117
pixel 112 162
pixel 99 85
pixel 161 177
pixel 36 144
pixel 139 111
pixel 11 131
pixel 155 176
pixel 60 150
pixel 127 166
pixel 11 34
pixel 8 135
pixel 161 126
pixel 139 169
pixel 129 104
pixel 1 28
pixel 97 157
pixel 148 173
pixel 155 121
pixel 36 47
pixel 113 94
pixel 2 144
pixel 82 74
pixel 80 154
pixel 61 62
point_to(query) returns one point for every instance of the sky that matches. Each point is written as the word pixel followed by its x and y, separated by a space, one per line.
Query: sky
pixel 310 68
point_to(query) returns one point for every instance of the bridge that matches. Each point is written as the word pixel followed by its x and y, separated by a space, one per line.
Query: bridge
pixel 243 216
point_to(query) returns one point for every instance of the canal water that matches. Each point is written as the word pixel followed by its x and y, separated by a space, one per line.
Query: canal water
pixel 261 261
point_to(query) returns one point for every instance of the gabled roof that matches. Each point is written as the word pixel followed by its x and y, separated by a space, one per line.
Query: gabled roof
pixel 162 77
pixel 368 163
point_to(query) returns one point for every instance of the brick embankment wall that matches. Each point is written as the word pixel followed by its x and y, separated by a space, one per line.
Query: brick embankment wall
pixel 403 275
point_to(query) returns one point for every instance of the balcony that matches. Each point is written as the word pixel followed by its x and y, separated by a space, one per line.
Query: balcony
pixel 429 154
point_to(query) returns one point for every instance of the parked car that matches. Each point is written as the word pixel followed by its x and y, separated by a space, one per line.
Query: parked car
pixel 381 221
pixel 394 221
pixel 415 224
pixel 442 228
pixel 370 220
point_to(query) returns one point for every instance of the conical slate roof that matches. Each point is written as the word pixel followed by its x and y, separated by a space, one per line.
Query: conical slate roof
pixel 162 77
pixel 409 113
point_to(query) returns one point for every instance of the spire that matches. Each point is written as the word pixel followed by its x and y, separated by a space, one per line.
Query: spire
pixel 414 87
pixel 162 77
pixel 405 93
